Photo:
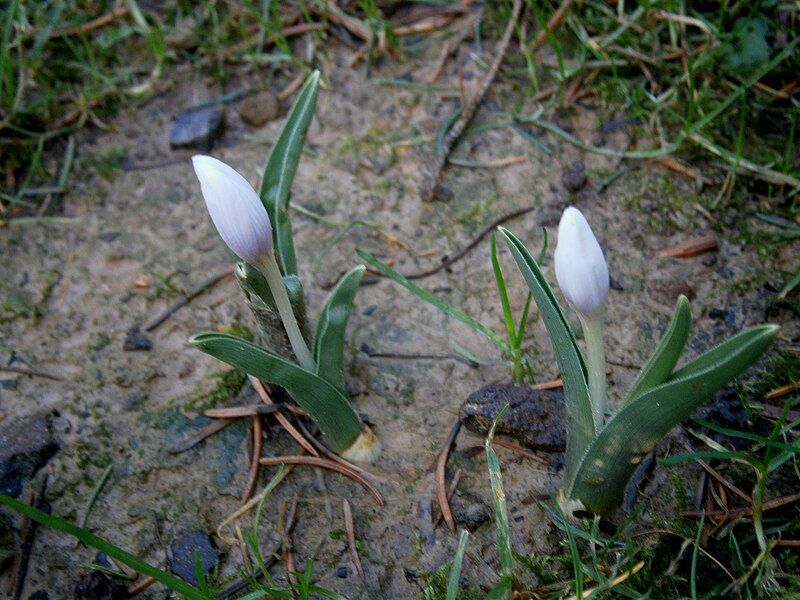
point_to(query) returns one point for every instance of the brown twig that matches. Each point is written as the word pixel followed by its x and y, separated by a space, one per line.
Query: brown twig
pixel 100 21
pixel 258 443
pixel 293 86
pixel 186 298
pixel 689 248
pixel 437 68
pixel 138 588
pixel 325 463
pixel 441 487
pixel 520 450
pixel 31 373
pixel 553 384
pixel 782 391
pixel 675 165
pixel 451 490
pixel 234 412
pixel 27 532
pixel 552 24
pixel 282 419
pixel 193 440
pixel 745 512
pixel 329 454
pixel 351 538
pixel 471 107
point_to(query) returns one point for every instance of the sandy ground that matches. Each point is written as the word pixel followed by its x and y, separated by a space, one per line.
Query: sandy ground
pixel 146 225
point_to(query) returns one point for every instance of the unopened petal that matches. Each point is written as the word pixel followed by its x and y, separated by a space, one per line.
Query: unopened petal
pixel 235 208
pixel 581 268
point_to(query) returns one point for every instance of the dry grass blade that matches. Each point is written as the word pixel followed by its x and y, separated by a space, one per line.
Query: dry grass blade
pixel 520 450
pixel 552 24
pixel 782 391
pixel 138 588
pixel 237 412
pixel 258 442
pixel 327 453
pixel 690 172
pixel 351 537
pixel 285 423
pixel 441 487
pixel 612 584
pixel 186 298
pixel 549 385
pixel 745 512
pixel 315 461
pixel 689 248
pixel 207 431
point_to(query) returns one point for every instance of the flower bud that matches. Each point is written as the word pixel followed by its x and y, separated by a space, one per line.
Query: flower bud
pixel 580 266
pixel 235 208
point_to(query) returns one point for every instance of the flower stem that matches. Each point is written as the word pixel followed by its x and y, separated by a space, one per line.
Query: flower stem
pixel 596 364
pixel 269 267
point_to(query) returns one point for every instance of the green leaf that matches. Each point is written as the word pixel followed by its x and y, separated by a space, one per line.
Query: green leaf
pixel 660 365
pixel 610 460
pixel 280 170
pixel 329 341
pixel 87 537
pixel 431 299
pixel 330 409
pixel 570 361
pixel 499 498
pixel 455 570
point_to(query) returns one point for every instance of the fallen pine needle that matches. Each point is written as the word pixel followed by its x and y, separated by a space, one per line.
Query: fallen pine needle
pixel 287 425
pixel 549 385
pixel 441 487
pixel 315 461
pixel 351 537
pixel 692 247
pixel 258 442
pixel 207 431
pixel 520 450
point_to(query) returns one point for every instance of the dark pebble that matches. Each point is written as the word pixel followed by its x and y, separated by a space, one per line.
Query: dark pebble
pixel 470 511
pixel 719 314
pixel 26 444
pixel 197 129
pixel 369 310
pixel 709 260
pixel 108 236
pixel 181 553
pixel 96 586
pixel 615 285
pixel 573 177
pixel 39 595
pixel 135 341
pixel 342 572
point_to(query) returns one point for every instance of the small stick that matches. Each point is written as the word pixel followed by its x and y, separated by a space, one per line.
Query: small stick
pixel 721 480
pixel 287 425
pixel 689 248
pixel 552 24
pixel 437 69
pixel 329 454
pixel 745 512
pixel 673 164
pixel 95 493
pixel 237 412
pixel 314 461
pixel 293 86
pixel 520 450
pixel 258 442
pixel 549 385
pixel 31 373
pixel 198 437
pixel 186 298
pixel 28 532
pixel 472 106
pixel 475 241
pixel 782 391
pixel 441 488
pixel 100 21
pixel 452 490
pixel 140 587
pixel 351 538
pixel 497 163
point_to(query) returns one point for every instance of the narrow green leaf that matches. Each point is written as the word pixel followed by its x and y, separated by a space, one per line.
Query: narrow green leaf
pixel 431 299
pixel 455 570
pixel 660 365
pixel 568 356
pixel 329 341
pixel 87 537
pixel 330 409
pixel 502 292
pixel 499 499
pixel 280 170
pixel 609 461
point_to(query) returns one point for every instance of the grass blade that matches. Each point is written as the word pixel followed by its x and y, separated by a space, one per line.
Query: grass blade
pixel 330 409
pixel 632 432
pixel 499 499
pixel 329 341
pixel 87 537
pixel 660 365
pixel 570 361
pixel 431 299
pixel 455 571
pixel 280 170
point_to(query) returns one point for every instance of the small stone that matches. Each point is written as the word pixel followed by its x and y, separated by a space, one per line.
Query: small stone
pixel 197 129
pixel 97 586
pixel 258 109
pixel 135 341
pixel 709 260
pixel 369 310
pixel 134 400
pixel 39 595
pixel 574 177
pixel 342 572
pixel 142 281
pixel 26 444
pixel 535 418
pixel 181 553
pixel 109 236
pixel 470 511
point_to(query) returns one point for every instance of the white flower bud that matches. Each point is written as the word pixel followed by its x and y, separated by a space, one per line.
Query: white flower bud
pixel 235 208
pixel 580 266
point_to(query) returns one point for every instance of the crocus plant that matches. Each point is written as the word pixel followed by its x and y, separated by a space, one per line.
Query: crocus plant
pixel 257 229
pixel 602 453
